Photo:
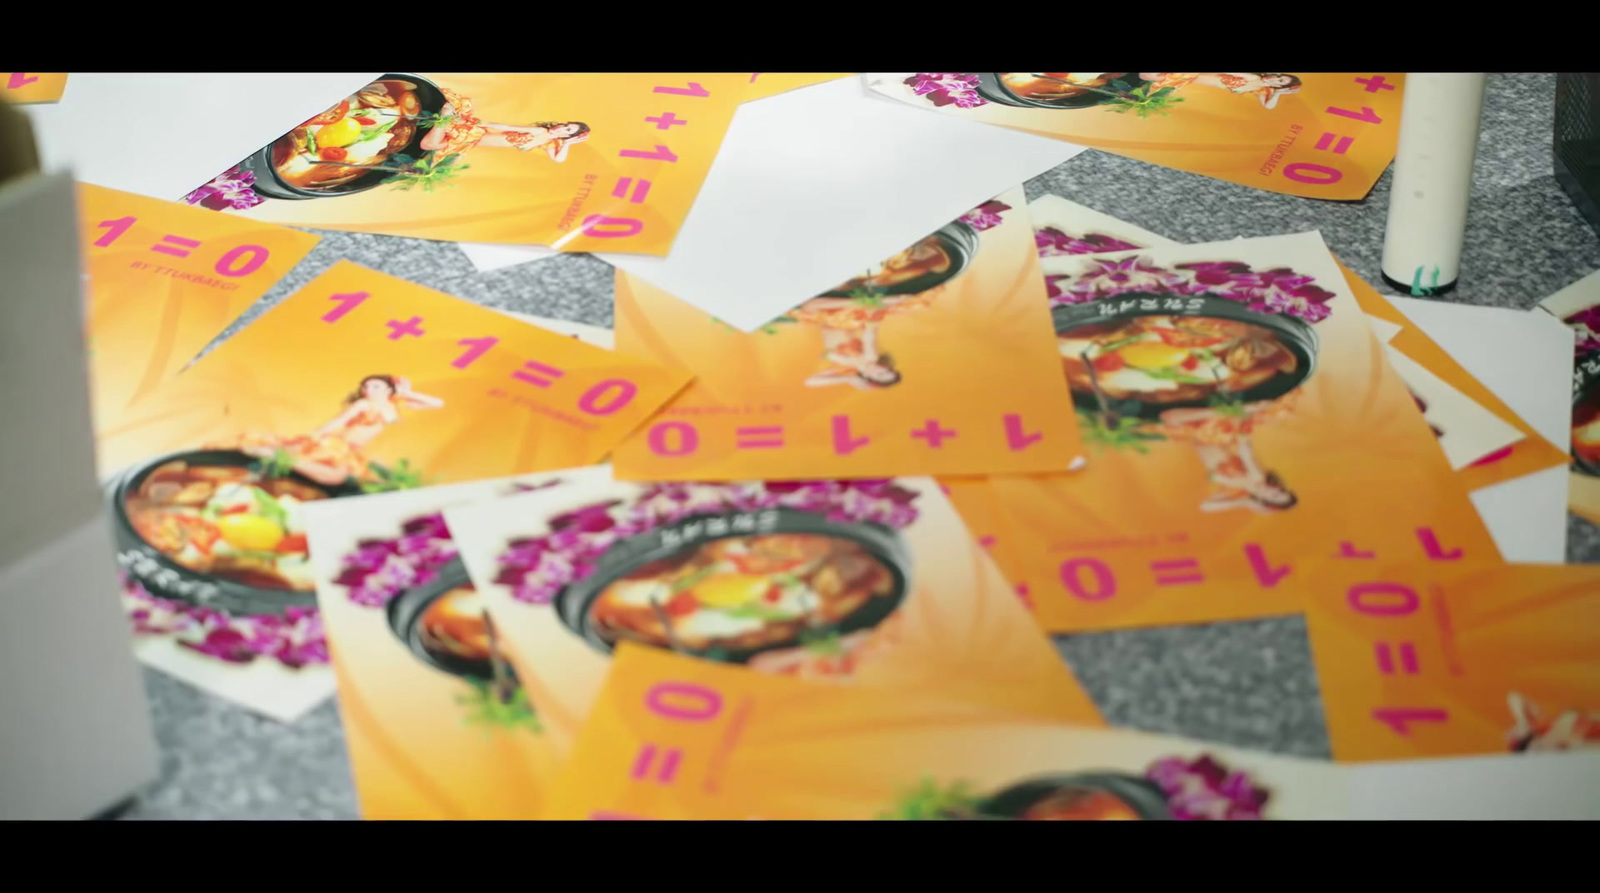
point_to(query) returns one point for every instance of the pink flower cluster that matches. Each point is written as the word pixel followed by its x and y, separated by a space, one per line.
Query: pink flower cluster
pixel 1279 290
pixel 947 88
pixel 537 568
pixel 233 189
pixel 380 569
pixel 1205 790
pixel 985 216
pixel 1053 242
pixel 1586 323
pixel 296 639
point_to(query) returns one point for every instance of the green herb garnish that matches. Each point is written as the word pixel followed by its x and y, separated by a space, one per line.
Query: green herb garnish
pixel 931 801
pixel 486 707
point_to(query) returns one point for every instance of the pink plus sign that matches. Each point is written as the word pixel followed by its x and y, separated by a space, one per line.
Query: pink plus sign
pixel 934 434
pixel 1375 83
pixel 412 326
pixel 666 121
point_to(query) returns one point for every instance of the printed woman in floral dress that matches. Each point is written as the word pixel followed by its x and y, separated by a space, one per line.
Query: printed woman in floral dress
pixel 460 130
pixel 850 337
pixel 1221 437
pixel 1266 87
pixel 332 454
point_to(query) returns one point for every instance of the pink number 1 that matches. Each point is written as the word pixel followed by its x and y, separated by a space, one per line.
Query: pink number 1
pixel 21 79
pixel 346 303
pixel 693 89
pixel 476 347
pixel 1366 114
pixel 114 229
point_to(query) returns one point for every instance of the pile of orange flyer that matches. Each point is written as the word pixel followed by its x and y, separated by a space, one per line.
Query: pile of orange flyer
pixel 692 568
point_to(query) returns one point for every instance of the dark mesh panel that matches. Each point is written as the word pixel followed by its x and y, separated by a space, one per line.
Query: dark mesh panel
pixel 1577 141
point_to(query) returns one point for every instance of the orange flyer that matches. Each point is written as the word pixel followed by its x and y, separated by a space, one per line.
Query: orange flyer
pixel 164 280
pixel 1240 418
pixel 674 738
pixel 1422 659
pixel 437 725
pixel 1531 453
pixel 358 383
pixel 577 162
pixel 23 87
pixel 768 83
pixel 838 583
pixel 937 361
pixel 1317 135
pixel 364 379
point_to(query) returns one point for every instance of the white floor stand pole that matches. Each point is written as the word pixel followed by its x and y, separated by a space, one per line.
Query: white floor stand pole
pixel 1439 120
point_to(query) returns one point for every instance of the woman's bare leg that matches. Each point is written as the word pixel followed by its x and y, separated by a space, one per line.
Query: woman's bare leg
pixel 326 475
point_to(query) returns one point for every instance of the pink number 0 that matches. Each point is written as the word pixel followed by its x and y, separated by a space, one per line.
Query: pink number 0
pixel 688 439
pixel 1105 581
pixel 707 703
pixel 1327 176
pixel 1358 597
pixel 624 390
pixel 258 256
pixel 593 223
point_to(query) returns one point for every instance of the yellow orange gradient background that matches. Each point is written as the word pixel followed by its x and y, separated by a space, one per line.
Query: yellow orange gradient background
pixel 1224 135
pixel 516 197
pixel 982 349
pixel 1479 632
pixel 289 372
pixel 39 87
pixel 144 325
pixel 959 631
pixel 412 751
pixel 779 749
pixel 1355 451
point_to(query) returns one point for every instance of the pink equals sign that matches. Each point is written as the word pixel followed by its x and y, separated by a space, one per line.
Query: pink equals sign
pixel 538 374
pixel 1386 656
pixel 759 437
pixel 1172 572
pixel 176 240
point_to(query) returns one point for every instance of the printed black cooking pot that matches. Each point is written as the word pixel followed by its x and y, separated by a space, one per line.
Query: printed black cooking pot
pixel 1585 406
pixel 1293 333
pixel 992 86
pixel 406 614
pixel 958 239
pixel 165 578
pixel 1141 796
pixel 575 602
pixel 270 185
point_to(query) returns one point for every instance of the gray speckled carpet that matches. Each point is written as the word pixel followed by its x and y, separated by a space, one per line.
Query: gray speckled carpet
pixel 1247 684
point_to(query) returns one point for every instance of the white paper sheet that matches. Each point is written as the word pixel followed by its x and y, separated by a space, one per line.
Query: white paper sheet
pixel 1525 358
pixel 815 185
pixel 488 257
pixel 1469 430
pixel 1522 786
pixel 162 135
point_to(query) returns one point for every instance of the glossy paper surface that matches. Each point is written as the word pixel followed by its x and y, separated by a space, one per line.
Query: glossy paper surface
pixel 1202 515
pixel 501 158
pixel 917 369
pixel 430 737
pixel 1318 135
pixel 1423 659
pixel 815 185
pixel 947 623
pixel 515 398
pixel 164 281
pixel 23 87
pixel 671 738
